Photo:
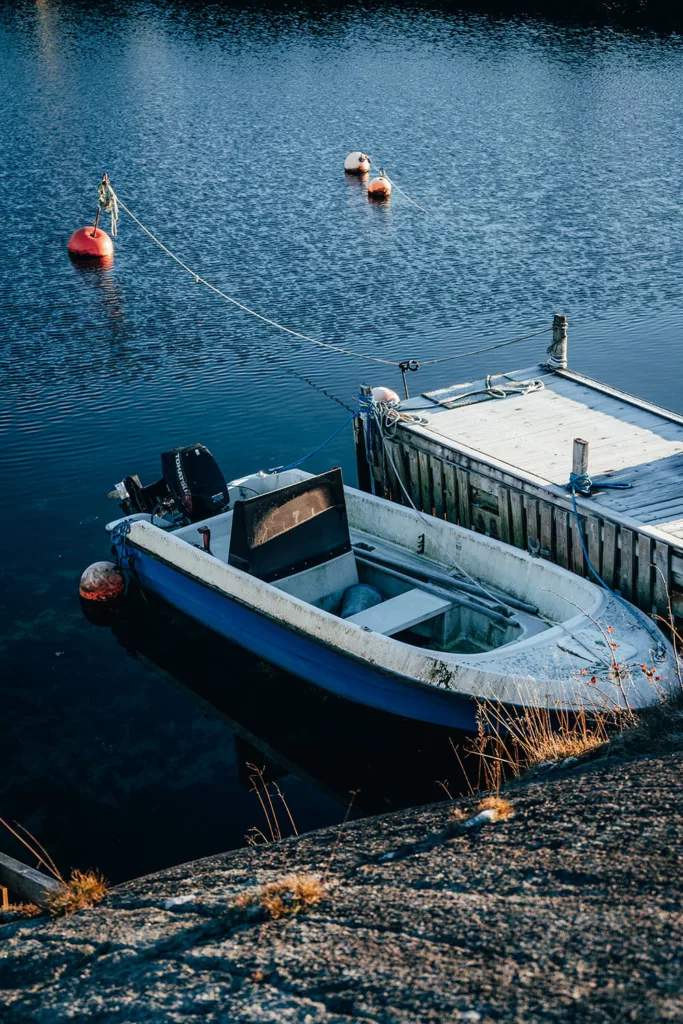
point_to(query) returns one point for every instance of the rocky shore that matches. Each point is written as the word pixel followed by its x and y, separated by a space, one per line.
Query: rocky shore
pixel 570 910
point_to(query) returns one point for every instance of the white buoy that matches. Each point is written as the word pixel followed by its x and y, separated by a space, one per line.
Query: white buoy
pixel 357 163
pixel 386 396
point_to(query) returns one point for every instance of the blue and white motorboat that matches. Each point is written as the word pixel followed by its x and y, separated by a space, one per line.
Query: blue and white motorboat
pixel 378 602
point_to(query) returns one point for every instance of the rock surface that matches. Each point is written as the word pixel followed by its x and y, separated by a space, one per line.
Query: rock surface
pixel 569 911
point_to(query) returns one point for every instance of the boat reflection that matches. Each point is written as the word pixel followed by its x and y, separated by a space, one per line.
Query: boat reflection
pixel 289 726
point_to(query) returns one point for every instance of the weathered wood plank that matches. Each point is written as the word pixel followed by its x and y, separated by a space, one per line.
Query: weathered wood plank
pixel 545 515
pixel 627 564
pixel 644 577
pixel 395 490
pixel 464 516
pixel 578 562
pixel 533 543
pixel 609 554
pixel 451 492
pixel 413 485
pixel 437 481
pixel 517 517
pixel 426 500
pixel 362 468
pixel 662 579
pixel 593 543
pixel 504 508
pixel 562 537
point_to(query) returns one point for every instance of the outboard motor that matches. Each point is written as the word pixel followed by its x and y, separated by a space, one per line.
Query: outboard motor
pixel 194 479
pixel 192 487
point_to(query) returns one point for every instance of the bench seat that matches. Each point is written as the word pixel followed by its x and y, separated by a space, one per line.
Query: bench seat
pixel 402 612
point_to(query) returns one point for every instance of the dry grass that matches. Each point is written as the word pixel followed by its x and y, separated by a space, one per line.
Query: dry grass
pixel 502 809
pixel 84 889
pixel 510 743
pixel 14 910
pixel 262 788
pixel 291 895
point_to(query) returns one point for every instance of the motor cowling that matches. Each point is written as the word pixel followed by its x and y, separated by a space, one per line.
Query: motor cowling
pixel 195 480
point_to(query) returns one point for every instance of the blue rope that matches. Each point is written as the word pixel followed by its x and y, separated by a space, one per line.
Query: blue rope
pixel 582 483
pixel 124 558
pixel 304 458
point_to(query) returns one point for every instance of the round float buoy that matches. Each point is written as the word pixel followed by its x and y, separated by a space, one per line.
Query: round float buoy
pixel 379 188
pixel 385 396
pixel 91 242
pixel 357 163
pixel 102 581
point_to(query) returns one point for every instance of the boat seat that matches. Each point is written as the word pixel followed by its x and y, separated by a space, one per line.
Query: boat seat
pixel 402 612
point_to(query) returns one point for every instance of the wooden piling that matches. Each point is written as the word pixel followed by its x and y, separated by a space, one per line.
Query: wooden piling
pixel 557 352
pixel 580 457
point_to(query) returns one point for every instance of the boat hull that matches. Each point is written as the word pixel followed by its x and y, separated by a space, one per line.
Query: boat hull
pixel 295 652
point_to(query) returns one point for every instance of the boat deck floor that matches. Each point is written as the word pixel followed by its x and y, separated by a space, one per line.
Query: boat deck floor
pixel 631 441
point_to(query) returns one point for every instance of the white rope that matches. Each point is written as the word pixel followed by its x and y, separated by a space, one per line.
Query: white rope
pixel 398 188
pixel 240 305
pixel 109 203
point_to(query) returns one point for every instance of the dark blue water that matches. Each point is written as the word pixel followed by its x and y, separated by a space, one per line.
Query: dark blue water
pixel 548 159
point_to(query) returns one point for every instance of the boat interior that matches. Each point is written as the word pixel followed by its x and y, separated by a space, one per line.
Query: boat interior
pixel 292 530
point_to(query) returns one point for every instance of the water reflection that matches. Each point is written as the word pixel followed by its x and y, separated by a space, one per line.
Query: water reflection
pixel 333 744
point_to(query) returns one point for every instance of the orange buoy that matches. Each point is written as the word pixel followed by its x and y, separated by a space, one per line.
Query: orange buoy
pixel 102 581
pixel 357 163
pixel 379 188
pixel 91 242
pixel 385 396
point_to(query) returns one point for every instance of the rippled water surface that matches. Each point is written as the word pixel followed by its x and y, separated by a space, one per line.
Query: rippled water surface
pixel 548 161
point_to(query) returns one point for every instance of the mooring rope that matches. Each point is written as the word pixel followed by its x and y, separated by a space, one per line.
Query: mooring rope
pixel 240 305
pixel 489 348
pixel 111 202
pixel 305 458
pixel 398 188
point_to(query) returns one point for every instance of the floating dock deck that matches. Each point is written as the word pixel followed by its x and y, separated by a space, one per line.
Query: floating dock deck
pixel 500 465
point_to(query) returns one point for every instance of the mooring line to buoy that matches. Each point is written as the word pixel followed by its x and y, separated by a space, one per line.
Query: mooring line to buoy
pixel 412 364
pixel 240 305
pixel 394 185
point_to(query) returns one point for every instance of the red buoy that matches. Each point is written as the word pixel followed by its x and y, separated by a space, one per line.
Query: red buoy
pixel 379 188
pixel 91 242
pixel 102 581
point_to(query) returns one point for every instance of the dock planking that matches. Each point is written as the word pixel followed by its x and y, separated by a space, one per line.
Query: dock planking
pixel 501 465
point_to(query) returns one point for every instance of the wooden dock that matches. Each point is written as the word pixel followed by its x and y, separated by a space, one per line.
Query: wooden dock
pixel 500 465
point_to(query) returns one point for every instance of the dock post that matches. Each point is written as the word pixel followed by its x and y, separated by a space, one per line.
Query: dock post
pixel 359 428
pixel 557 351
pixel 580 457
